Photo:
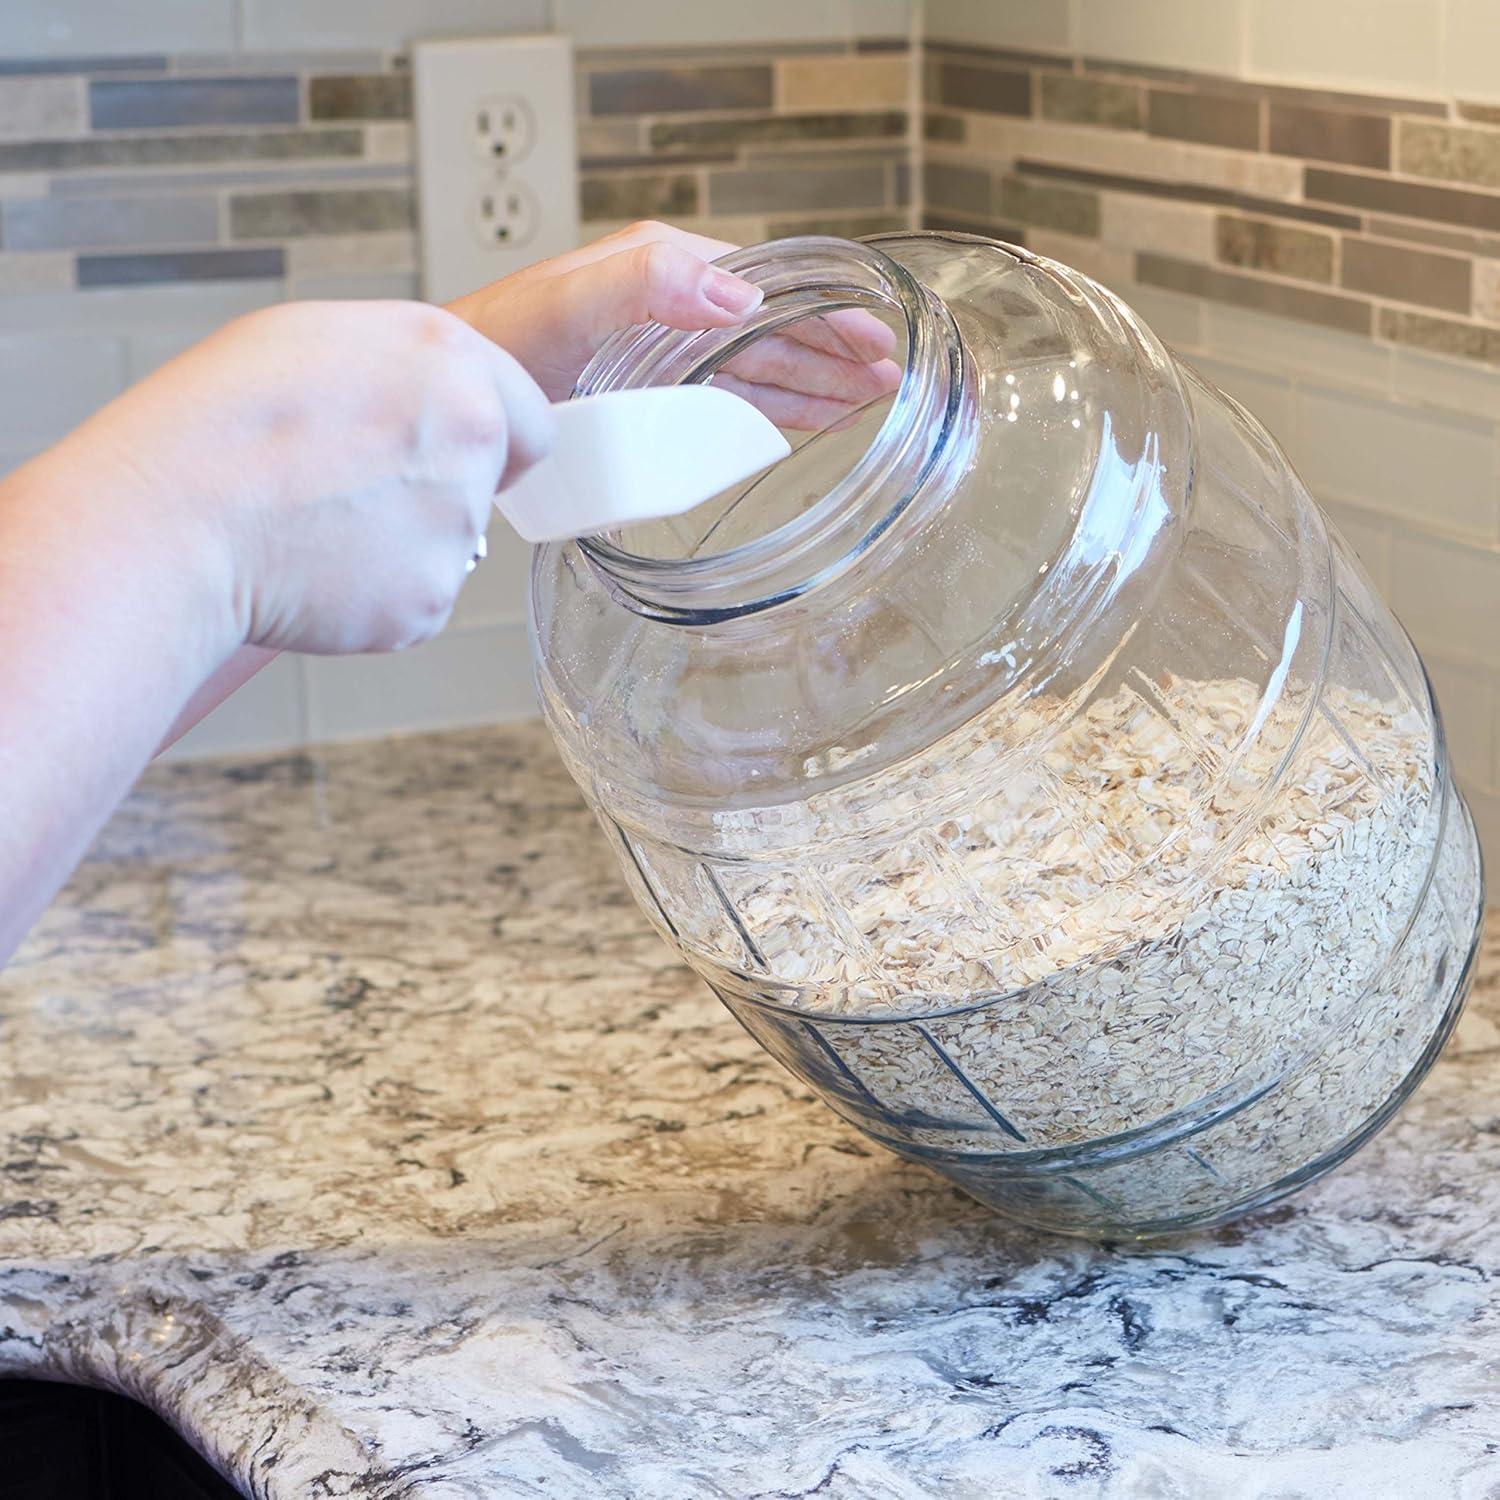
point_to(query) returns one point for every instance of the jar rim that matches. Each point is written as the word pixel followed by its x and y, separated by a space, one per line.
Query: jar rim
pixel 800 277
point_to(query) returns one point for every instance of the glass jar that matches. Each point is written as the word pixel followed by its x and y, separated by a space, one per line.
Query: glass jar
pixel 1026 763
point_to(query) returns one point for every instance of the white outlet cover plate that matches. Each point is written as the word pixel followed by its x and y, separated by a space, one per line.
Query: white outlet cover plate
pixel 455 80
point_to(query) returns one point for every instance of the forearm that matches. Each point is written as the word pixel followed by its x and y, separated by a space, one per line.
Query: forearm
pixel 107 628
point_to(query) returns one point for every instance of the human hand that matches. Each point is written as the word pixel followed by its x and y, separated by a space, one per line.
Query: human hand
pixel 335 462
pixel 555 315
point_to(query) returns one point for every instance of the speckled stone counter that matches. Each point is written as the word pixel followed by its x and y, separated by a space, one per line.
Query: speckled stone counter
pixel 356 1122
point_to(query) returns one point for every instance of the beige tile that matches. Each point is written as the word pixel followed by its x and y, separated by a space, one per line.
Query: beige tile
pixel 1271 245
pixel 1370 536
pixel 388 141
pixel 1404 274
pixel 1452 153
pixel 467 675
pixel 1448 595
pixel 1344 359
pixel 1366 44
pixel 1104 262
pixel 1435 470
pixel 41 108
pixel 1487 290
pixel 1467 700
pixel 1046 26
pixel 1440 335
pixel 1471 46
pixel 39 271
pixel 843 82
pixel 331 254
pixel 1132 221
pixel 1132 156
pixel 1166 33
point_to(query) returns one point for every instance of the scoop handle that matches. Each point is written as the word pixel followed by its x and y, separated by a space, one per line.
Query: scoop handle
pixel 629 456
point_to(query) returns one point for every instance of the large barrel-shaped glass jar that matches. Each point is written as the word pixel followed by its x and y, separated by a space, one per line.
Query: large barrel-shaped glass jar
pixel 1026 763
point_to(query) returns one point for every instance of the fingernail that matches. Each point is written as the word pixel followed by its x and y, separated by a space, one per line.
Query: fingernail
pixel 732 294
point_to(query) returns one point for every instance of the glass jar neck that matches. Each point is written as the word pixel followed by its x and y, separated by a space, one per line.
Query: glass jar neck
pixel 886 493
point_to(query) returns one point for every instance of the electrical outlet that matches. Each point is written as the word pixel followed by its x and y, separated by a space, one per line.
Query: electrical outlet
pixel 497 169
pixel 506 215
pixel 503 130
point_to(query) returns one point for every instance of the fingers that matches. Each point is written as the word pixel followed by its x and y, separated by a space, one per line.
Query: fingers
pixel 795 411
pixel 657 281
pixel 783 361
pixel 851 333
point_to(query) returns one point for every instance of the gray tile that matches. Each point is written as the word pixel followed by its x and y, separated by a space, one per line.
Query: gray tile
pixel 78 223
pixel 946 128
pixel 379 96
pixel 146 63
pixel 1407 275
pixel 1325 308
pixel 1410 199
pixel 1190 192
pixel 755 191
pixel 949 185
pixel 843 226
pixel 996 91
pixel 1424 234
pixel 1209 119
pixel 642 91
pixel 1331 135
pixel 272 174
pixel 180 150
pixel 170 102
pixel 947 219
pixel 1019 200
pixel 1021 57
pixel 1265 245
pixel 1076 100
pixel 1451 152
pixel 180 265
pixel 901 184
pixel 637 195
pixel 1338 100
pixel 367 286
pixel 709 135
pixel 1440 335
pixel 271 216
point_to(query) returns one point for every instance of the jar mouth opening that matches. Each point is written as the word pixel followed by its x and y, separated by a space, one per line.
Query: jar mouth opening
pixel 852 502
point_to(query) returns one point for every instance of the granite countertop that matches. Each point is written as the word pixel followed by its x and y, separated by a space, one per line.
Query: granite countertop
pixel 356 1122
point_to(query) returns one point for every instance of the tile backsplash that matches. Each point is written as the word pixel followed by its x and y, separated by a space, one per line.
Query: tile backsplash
pixel 145 199
pixel 1304 199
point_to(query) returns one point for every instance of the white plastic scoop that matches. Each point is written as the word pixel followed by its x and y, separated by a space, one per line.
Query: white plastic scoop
pixel 629 456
